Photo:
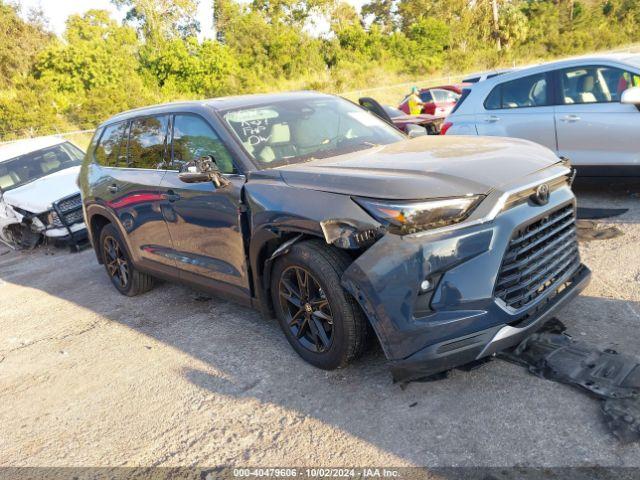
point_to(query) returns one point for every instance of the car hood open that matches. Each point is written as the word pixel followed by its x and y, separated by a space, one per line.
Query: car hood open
pixel 37 196
pixel 424 167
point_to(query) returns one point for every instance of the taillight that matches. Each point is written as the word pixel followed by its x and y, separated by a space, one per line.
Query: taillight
pixel 445 126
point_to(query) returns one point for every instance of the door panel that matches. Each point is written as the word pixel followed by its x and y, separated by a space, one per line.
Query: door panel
pixel 133 194
pixel 520 108
pixel 599 134
pixel 204 223
pixel 593 127
pixel 535 124
pixel 134 197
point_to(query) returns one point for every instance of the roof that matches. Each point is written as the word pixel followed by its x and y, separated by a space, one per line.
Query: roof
pixel 220 103
pixel 21 147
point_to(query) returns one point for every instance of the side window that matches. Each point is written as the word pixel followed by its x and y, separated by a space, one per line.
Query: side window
pixel 110 145
pixel 445 96
pixel 595 84
pixel 194 138
pixel 147 142
pixel 521 93
pixel 426 97
pixel 494 100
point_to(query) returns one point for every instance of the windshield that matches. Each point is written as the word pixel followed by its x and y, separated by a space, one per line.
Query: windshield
pixel 29 167
pixel 294 131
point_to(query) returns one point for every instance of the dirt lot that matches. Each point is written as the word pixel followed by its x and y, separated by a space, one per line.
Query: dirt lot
pixel 91 378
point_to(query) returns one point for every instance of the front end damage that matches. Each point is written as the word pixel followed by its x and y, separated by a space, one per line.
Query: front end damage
pixel 63 223
pixel 442 299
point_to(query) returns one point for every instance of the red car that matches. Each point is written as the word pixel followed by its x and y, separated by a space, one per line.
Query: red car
pixel 438 100
pixel 402 121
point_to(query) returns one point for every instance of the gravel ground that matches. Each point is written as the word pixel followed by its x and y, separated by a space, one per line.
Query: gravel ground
pixel 91 378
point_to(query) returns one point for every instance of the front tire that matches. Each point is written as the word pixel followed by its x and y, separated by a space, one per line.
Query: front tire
pixel 123 275
pixel 321 321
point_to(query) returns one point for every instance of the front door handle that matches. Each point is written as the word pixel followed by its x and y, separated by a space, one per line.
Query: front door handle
pixel 113 188
pixel 570 118
pixel 492 119
pixel 172 196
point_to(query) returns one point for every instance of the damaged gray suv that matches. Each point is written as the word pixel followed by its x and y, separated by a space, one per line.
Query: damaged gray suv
pixel 313 210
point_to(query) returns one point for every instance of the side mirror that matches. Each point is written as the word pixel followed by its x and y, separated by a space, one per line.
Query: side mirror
pixel 414 131
pixel 631 96
pixel 204 169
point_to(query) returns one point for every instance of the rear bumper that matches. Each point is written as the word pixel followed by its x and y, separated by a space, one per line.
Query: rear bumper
pixel 459 351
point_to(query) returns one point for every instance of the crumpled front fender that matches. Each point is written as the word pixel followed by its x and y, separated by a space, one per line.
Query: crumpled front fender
pixel 386 278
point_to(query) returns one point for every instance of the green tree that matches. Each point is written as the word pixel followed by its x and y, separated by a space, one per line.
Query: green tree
pixel 381 12
pixel 160 20
pixel 20 42
pixel 97 65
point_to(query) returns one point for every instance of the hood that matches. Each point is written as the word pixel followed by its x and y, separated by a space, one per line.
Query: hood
pixel 424 167
pixel 37 196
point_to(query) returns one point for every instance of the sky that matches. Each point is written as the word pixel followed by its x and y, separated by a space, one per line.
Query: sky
pixel 57 11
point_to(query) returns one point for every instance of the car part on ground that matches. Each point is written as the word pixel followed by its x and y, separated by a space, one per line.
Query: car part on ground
pixel 39 198
pixel 590 230
pixel 604 373
pixel 588 213
pixel 320 217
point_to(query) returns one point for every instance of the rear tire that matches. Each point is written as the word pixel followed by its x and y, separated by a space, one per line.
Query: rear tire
pixel 124 276
pixel 324 304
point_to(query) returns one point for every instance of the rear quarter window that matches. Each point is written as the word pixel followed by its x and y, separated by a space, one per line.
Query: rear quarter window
pixel 111 145
pixel 525 92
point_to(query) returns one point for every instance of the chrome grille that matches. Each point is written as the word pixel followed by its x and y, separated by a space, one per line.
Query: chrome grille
pixel 68 211
pixel 70 203
pixel 539 254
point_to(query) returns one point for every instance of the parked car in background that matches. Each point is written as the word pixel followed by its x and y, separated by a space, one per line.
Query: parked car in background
pixel 38 192
pixel 438 100
pixel 481 77
pixel 586 109
pixel 316 211
pixel 402 121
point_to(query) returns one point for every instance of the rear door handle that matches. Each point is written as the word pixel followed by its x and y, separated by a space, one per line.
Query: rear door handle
pixel 113 188
pixel 172 196
pixel 570 118
pixel 492 119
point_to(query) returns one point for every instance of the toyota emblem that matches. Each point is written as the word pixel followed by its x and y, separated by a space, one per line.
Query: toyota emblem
pixel 541 196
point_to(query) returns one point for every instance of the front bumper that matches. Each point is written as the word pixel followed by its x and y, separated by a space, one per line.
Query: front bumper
pixel 62 233
pixel 460 351
pixel 465 321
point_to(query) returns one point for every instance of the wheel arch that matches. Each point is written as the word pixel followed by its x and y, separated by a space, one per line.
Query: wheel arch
pixel 97 219
pixel 267 245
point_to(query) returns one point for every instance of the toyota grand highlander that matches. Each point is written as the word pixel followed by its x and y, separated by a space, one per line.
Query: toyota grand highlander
pixel 314 210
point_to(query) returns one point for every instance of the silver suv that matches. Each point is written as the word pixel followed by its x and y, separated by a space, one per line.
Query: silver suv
pixel 586 109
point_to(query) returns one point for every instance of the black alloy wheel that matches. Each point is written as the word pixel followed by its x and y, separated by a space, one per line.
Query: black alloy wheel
pixel 116 262
pixel 307 309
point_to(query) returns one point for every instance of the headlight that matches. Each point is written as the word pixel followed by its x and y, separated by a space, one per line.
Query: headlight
pixel 409 217
pixel 53 220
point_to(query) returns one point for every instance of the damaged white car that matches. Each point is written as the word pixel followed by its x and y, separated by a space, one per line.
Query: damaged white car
pixel 39 197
